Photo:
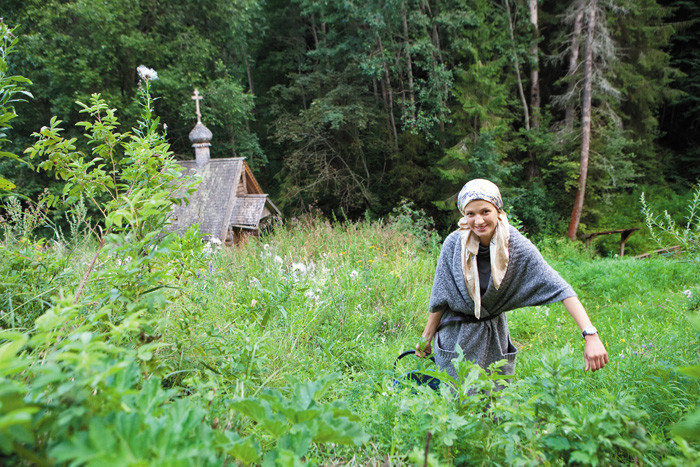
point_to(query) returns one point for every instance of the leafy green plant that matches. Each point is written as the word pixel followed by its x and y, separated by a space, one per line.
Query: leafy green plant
pixel 301 419
pixel 84 358
pixel 664 229
pixel 407 218
pixel 545 423
pixel 11 88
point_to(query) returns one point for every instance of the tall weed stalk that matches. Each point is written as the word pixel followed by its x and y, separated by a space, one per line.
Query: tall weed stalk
pixel 666 231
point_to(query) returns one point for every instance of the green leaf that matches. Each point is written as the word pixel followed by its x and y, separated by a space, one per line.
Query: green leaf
pixel 558 443
pixel 693 371
pixel 6 185
pixel 580 456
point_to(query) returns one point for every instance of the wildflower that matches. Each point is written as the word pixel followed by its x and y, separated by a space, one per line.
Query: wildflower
pixel 688 293
pixel 310 294
pixel 266 246
pixel 278 260
pixel 650 345
pixel 253 303
pixel 211 266
pixel 147 73
pixel 354 274
pixel 215 241
pixel 300 267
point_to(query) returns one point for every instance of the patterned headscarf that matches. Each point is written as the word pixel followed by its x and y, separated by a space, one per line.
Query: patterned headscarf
pixel 480 189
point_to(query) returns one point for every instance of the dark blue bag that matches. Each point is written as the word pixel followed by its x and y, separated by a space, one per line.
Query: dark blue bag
pixel 415 376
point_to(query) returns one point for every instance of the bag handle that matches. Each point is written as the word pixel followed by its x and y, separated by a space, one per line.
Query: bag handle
pixel 407 353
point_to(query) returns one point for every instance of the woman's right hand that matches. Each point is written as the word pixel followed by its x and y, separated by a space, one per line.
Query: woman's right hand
pixel 424 348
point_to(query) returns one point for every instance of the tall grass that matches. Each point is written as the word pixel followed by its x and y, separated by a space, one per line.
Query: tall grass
pixel 315 298
pixel 307 322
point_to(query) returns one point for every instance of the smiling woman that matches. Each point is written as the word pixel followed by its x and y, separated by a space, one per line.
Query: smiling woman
pixel 486 268
pixel 482 218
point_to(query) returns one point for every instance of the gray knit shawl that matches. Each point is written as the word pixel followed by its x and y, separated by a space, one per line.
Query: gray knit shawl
pixel 529 280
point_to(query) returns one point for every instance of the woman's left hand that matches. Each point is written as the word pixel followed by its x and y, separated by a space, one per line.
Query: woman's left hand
pixel 594 354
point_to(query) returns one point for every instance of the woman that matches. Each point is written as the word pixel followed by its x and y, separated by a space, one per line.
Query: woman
pixel 486 268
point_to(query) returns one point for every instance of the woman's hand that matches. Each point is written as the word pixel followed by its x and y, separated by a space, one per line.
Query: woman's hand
pixel 423 349
pixel 594 354
pixel 426 347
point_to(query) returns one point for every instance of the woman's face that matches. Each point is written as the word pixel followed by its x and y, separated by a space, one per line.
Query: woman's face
pixel 482 218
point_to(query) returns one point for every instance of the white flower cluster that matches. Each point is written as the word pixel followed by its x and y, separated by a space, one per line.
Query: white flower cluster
pixel 212 244
pixel 688 293
pixel 313 295
pixel 302 268
pixel 146 73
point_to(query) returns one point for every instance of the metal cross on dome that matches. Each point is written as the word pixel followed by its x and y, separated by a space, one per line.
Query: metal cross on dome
pixel 196 98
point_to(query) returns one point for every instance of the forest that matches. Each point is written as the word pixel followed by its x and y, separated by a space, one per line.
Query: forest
pixel 125 343
pixel 351 108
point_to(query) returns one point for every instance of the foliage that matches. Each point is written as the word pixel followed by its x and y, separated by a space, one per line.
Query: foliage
pixel 139 346
pixel 362 104
pixel 664 228
pixel 11 87
pixel 407 219
pixel 352 296
pixel 300 420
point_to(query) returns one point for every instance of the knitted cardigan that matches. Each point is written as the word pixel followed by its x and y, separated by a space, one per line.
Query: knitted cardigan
pixel 529 281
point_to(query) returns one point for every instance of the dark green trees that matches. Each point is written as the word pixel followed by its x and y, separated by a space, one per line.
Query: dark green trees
pixel 360 104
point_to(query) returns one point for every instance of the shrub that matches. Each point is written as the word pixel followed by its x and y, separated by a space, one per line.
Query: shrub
pixel 665 230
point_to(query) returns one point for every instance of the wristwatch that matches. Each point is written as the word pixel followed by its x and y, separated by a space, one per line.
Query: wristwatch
pixel 589 331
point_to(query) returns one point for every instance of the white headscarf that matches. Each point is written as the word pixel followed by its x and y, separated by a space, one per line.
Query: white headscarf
pixel 487 191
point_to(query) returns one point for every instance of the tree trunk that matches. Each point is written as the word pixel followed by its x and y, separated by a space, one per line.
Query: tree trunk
pixel 573 64
pixel 248 72
pixel 533 171
pixel 389 95
pixel 409 64
pixel 535 67
pixel 521 90
pixel 437 62
pixel 585 121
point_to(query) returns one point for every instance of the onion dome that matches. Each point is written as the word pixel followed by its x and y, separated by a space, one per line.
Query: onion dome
pixel 200 134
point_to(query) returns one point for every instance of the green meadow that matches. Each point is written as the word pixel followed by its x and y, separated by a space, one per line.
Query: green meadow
pixel 282 352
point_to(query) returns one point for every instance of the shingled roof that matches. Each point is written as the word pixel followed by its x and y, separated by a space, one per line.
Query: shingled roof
pixel 227 196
